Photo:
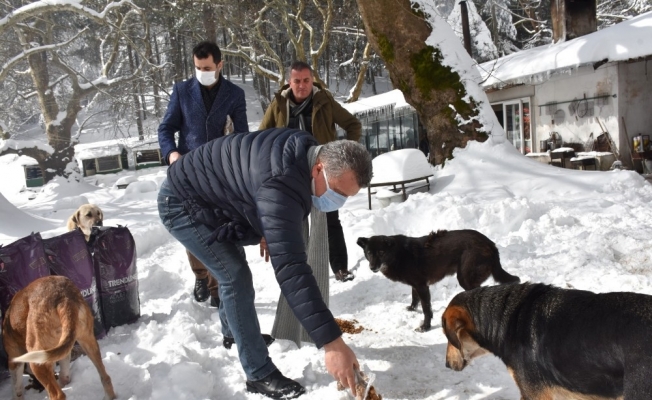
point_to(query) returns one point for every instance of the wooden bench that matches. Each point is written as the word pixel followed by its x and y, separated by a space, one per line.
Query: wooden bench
pixel 401 183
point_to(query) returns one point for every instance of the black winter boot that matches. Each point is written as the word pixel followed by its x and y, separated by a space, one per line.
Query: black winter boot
pixel 276 386
pixel 201 291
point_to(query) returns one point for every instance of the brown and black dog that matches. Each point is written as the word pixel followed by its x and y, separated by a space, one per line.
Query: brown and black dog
pixel 41 325
pixel 423 261
pixel 556 343
pixel 85 218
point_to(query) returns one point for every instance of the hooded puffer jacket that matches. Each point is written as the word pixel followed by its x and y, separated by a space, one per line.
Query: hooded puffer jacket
pixel 257 184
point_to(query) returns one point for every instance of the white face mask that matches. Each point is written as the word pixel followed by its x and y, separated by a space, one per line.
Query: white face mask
pixel 206 78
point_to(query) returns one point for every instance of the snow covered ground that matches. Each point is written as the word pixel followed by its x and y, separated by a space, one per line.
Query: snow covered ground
pixel 574 229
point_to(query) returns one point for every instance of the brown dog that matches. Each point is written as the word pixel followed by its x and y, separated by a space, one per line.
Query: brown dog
pixel 41 325
pixel 85 218
pixel 556 343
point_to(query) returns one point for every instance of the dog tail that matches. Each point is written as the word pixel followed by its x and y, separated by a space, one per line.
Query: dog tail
pixel 67 341
pixel 499 274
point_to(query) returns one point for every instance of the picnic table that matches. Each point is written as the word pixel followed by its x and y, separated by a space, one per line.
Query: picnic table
pixel 399 168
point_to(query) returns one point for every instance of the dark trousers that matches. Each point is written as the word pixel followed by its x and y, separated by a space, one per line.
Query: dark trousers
pixel 201 272
pixel 336 245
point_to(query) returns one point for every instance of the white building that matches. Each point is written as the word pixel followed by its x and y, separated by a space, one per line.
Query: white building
pixel 574 87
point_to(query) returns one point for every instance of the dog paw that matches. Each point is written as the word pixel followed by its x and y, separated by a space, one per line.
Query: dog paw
pixel 411 308
pixel 423 328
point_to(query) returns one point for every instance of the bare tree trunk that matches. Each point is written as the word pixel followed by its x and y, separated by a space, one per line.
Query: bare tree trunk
pixel 155 76
pixel 208 18
pixel 175 53
pixel 228 66
pixel 328 65
pixel 262 90
pixel 182 51
pixel 398 30
pixel 466 31
pixel 137 105
pixel 364 66
pixel 57 127
pixel 372 78
pixel 494 25
pixel 141 90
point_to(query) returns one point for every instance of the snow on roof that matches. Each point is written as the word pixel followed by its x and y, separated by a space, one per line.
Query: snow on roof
pixel 627 40
pixel 25 161
pixel 400 165
pixel 392 98
pixel 85 151
pixel 105 148
pixel 24 144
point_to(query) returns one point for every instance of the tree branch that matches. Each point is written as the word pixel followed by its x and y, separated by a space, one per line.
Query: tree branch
pixel 38 8
pixel 4 70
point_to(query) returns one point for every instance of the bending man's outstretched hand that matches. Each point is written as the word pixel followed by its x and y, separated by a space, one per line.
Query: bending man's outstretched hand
pixel 341 363
pixel 264 251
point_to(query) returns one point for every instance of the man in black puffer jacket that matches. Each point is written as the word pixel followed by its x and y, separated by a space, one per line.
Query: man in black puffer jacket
pixel 255 188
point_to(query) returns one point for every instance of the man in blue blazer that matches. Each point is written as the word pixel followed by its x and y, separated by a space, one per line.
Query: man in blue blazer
pixel 201 109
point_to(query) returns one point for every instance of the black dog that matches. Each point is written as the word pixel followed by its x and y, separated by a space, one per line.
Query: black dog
pixel 423 261
pixel 556 343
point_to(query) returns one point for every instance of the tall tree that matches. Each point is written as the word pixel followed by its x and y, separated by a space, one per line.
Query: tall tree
pixel 482 47
pixel 429 64
pixel 49 35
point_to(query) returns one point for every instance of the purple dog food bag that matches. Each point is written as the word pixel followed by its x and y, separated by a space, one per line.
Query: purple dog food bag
pixel 69 256
pixel 21 262
pixel 114 259
pixel 4 362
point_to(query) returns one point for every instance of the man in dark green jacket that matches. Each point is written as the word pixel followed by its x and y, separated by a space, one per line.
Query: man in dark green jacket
pixel 303 104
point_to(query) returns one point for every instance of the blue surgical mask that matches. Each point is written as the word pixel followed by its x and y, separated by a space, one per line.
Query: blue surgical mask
pixel 330 200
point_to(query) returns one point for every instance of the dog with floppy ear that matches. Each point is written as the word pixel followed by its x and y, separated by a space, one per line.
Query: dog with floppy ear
pixel 41 325
pixel 85 218
pixel 424 261
pixel 556 343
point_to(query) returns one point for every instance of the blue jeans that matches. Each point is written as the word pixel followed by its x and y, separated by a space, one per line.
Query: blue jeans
pixel 228 264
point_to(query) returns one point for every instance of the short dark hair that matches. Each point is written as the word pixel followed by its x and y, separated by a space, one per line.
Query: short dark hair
pixel 343 155
pixel 300 66
pixel 207 48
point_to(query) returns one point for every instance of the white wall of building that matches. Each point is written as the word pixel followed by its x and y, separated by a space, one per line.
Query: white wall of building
pixel 584 82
